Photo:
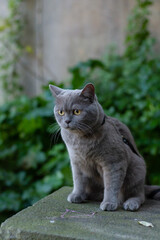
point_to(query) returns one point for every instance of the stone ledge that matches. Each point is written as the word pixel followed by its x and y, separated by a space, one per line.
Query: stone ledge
pixel 54 218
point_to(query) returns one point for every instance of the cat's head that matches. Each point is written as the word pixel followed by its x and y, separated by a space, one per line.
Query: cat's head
pixel 77 110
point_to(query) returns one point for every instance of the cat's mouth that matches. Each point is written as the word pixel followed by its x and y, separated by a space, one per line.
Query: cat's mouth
pixel 68 126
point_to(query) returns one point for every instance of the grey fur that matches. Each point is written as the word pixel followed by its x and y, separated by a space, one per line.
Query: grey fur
pixel 104 168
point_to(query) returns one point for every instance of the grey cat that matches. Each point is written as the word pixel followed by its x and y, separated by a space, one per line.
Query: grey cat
pixel 105 161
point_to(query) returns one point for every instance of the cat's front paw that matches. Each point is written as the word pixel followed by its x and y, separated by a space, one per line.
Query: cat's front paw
pixel 108 206
pixel 131 205
pixel 75 198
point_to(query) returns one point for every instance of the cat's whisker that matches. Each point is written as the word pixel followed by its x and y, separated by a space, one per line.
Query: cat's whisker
pixel 56 133
pixel 53 127
pixel 56 136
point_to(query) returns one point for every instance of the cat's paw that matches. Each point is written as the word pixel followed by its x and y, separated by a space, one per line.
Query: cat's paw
pixel 108 206
pixel 75 198
pixel 131 205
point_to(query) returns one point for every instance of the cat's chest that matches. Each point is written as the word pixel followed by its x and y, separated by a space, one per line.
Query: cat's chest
pixel 84 152
pixel 79 146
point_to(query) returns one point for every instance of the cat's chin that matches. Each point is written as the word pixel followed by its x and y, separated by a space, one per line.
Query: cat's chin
pixel 69 128
pixel 72 129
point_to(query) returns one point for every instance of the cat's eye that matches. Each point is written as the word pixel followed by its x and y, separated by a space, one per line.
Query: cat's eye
pixel 77 112
pixel 61 112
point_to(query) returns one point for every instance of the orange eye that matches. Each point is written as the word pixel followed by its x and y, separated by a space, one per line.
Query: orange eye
pixel 61 113
pixel 77 112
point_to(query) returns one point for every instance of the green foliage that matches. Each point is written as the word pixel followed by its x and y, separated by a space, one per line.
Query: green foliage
pixel 83 70
pixel 11 29
pixel 137 31
pixel 128 86
pixel 30 167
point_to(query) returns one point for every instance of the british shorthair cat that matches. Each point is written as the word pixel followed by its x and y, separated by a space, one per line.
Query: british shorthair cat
pixel 106 164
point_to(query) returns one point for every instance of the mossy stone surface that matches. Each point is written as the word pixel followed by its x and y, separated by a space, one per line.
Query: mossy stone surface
pixel 54 218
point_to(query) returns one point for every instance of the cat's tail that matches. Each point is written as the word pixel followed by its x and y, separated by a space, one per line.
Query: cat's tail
pixel 152 191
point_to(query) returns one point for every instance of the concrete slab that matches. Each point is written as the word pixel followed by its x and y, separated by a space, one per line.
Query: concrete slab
pixel 54 218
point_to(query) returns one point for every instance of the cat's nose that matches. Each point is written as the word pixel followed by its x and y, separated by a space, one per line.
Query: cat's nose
pixel 67 121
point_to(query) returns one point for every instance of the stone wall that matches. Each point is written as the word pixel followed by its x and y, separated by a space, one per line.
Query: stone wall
pixel 53 218
pixel 63 33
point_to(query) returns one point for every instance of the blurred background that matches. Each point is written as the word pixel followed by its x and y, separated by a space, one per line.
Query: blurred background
pixel 113 44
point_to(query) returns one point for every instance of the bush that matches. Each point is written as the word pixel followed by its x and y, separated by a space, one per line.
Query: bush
pixel 30 167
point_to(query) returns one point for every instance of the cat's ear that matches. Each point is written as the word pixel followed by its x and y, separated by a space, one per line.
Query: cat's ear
pixel 88 92
pixel 55 90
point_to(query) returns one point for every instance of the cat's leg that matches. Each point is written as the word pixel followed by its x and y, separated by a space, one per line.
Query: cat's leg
pixel 78 194
pixel 113 177
pixel 134 185
pixel 136 197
